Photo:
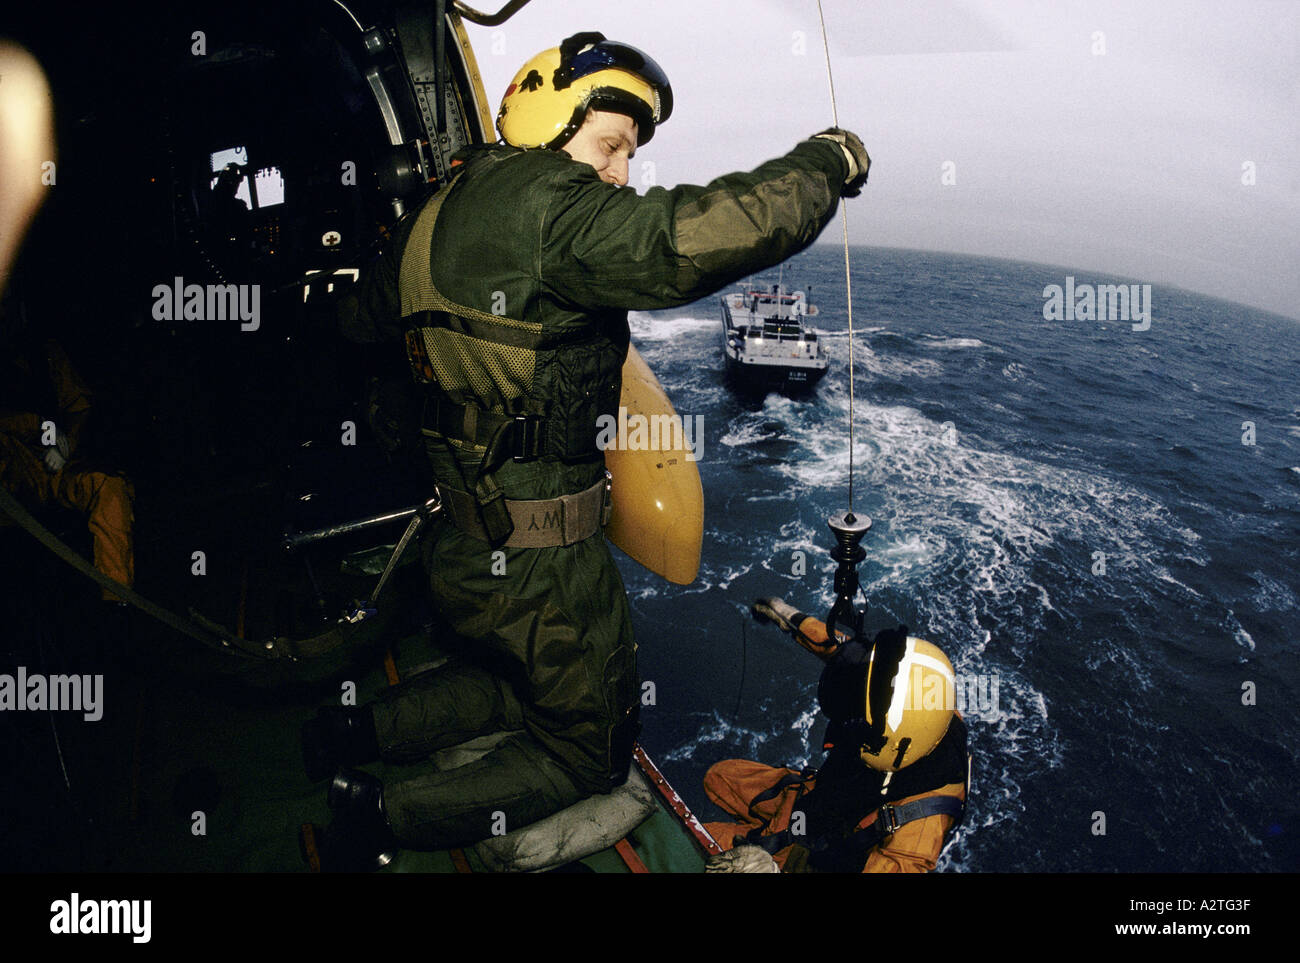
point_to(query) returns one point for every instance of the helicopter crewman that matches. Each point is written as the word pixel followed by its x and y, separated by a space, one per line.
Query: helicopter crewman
pixel 893 784
pixel 44 405
pixel 510 289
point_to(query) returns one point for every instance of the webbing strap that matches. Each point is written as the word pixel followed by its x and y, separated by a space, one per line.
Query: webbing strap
pixel 789 779
pixel 629 856
pixel 459 861
pixel 472 425
pixel 888 820
pixel 884 822
pixel 772 844
pixel 537 523
pixel 889 817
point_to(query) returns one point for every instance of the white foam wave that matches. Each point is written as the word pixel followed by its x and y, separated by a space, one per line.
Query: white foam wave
pixel 912 552
pixel 650 327
pixel 713 730
pixel 745 431
pixel 1272 595
pixel 729 574
pixel 941 341
pixel 768 423
pixel 857 330
pixel 896 367
pixel 641 589
pixel 1162 573
pixel 1239 633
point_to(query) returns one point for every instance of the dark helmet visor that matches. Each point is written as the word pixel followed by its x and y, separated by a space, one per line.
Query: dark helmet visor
pixel 602 54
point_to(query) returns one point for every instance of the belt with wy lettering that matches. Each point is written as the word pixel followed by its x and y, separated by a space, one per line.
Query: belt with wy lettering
pixel 539 523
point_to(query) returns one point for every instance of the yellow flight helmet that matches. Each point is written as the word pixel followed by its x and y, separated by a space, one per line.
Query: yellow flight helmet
pixel 549 98
pixel 893 702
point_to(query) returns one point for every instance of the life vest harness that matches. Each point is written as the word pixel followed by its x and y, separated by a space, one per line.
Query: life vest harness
pixel 436 324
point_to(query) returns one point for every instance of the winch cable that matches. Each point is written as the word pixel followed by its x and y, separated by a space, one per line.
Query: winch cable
pixel 844 221
pixel 847 527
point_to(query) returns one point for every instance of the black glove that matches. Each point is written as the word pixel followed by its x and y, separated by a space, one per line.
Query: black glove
pixel 855 154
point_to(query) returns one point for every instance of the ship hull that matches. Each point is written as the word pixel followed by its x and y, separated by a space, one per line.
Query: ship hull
pixel 771 377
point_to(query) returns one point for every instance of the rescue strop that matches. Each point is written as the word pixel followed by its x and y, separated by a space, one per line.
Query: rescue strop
pixel 855 848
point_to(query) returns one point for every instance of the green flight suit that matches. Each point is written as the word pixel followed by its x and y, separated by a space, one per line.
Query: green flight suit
pixel 536 241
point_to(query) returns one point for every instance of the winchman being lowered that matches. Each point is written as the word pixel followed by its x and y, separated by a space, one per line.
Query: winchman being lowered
pixel 510 289
pixel 893 784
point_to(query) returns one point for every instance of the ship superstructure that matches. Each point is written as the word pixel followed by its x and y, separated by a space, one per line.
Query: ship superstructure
pixel 767 343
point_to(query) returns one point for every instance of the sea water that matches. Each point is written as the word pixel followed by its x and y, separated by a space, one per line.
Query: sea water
pixel 1099 524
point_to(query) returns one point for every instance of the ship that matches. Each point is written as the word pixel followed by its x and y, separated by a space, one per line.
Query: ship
pixel 766 344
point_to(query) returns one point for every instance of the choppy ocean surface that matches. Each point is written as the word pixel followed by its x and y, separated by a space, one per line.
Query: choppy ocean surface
pixel 1068 508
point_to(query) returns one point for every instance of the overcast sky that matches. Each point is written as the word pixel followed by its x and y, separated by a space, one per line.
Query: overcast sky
pixel 1100 135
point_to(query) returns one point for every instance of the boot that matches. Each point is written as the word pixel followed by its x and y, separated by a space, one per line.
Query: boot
pixel 359 839
pixel 338 736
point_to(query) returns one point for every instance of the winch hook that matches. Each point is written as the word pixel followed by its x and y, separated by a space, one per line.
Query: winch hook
pixel 848 529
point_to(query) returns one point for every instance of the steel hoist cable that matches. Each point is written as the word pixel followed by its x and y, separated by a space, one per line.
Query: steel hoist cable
pixel 844 222
pixel 847 527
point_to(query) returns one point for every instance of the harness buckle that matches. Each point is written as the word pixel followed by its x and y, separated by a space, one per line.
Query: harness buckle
pixel 607 502
pixel 526 438
pixel 889 818
pixel 431 506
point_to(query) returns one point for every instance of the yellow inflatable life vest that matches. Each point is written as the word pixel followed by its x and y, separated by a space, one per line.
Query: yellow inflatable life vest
pixel 658 501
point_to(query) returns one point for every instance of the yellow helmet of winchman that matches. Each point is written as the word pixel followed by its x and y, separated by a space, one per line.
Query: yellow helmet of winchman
pixel 893 701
